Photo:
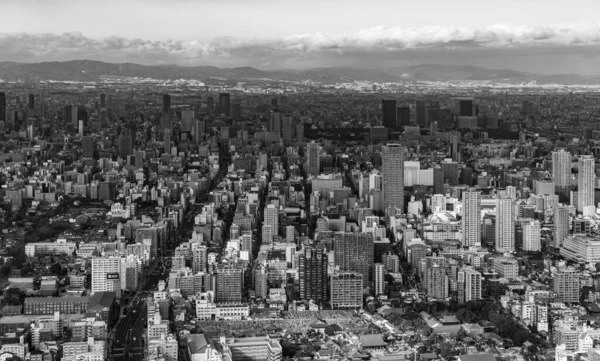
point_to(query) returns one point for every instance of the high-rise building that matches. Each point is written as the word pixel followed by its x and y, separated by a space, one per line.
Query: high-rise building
pixel 505 225
pixel 393 176
pixel 102 101
pixel 471 221
pixel 312 273
pixel 166 103
pixel 379 278
pixel 288 130
pixel 466 108
pixel 421 113
pixel 2 107
pixel 88 146
pixel 388 113
pixel 436 282
pixel 455 151
pixel 224 103
pixel 438 180
pixel 469 285
pixel 354 252
pixel 561 171
pixel 199 259
pixel 585 182
pixel 271 218
pixel 438 203
pixel 31 103
pixel 451 172
pixel 402 116
pixel 346 290
pixel 229 283
pixel 274 124
pixel 125 144
pixel 566 285
pixel 532 236
pixel 106 274
pixel 107 191
pixel 561 225
pixel 313 166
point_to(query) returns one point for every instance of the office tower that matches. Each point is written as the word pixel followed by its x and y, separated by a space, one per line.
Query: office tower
pixel 354 252
pixel 561 171
pixel 167 140
pixel 379 278
pixel 421 113
pixel 166 103
pixel 436 282
pixel 451 172
pixel 346 290
pixel 585 182
pixel 31 104
pixel 271 218
pixel 102 101
pixel 312 273
pixel 125 144
pixel 468 285
pixel 106 274
pixel 198 131
pixel 107 191
pixel 438 203
pixel 88 145
pixel 455 151
pixel 532 236
pixel 433 114
pixel 210 104
pixel 139 159
pixel 402 116
pixel 2 107
pixel 471 221
pixel 274 122
pixel 438 180
pixel 199 259
pixel 466 108
pixel 236 111
pixel 130 271
pixel 392 159
pixel 67 114
pixel 261 285
pixel 388 113
pixel 229 283
pixel 313 166
pixel 82 114
pixel 224 103
pixel 288 130
pixel 505 225
pixel 300 133
pixel 566 285
pixel 561 225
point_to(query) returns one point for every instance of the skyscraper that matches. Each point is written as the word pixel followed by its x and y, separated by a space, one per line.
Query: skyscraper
pixel 312 273
pixel 402 116
pixel 531 236
pixel 436 282
pixel 88 146
pixel 388 113
pixel 125 144
pixel 585 182
pixel 421 114
pixel 505 225
pixel 354 252
pixel 471 222
pixel 561 171
pixel 2 107
pixel 102 101
pixel 166 104
pixel 271 218
pixel 230 281
pixel 224 103
pixel 393 176
pixel 561 225
pixel 469 284
pixel 455 151
pixel 31 103
pixel 466 108
pixel 313 166
pixel 378 278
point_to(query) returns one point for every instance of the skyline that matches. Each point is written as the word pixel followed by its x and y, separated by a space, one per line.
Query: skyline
pixel 273 35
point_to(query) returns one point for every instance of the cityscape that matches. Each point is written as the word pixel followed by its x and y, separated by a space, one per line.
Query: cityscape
pixel 214 210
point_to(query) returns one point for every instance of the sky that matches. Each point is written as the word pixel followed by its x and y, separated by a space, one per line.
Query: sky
pixel 544 36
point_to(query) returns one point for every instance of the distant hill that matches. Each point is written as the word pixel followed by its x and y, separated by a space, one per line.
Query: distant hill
pixel 88 70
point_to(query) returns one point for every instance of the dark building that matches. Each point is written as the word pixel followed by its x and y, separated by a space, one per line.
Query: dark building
pixel 102 100
pixel 402 116
pixel 210 104
pixel 438 180
pixel 466 176
pixel 354 252
pixel 237 111
pixel 312 272
pixel 125 144
pixel 229 285
pixel 166 104
pixel 68 114
pixel 107 191
pixel 3 107
pixel 388 111
pixel 224 104
pixel 88 145
pixel 466 108
pixel 451 172
pixel 421 113
pixel 31 103
pixel 82 114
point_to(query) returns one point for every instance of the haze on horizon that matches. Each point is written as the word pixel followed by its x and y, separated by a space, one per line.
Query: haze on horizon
pixel 542 36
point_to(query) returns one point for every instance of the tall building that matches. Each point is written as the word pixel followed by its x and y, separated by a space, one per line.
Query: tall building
pixel 471 221
pixel 346 290
pixel 436 282
pixel 88 146
pixel 125 144
pixel 199 259
pixel 466 108
pixel 469 285
pixel 438 180
pixel 224 103
pixel 354 252
pixel 102 101
pixel 2 107
pixel 505 225
pixel 166 103
pixel 438 203
pixel 106 274
pixel 393 176
pixel 107 191
pixel 566 285
pixel 402 116
pixel 229 285
pixel 532 236
pixel 561 171
pixel 585 182
pixel 271 218
pixel 561 225
pixel 313 166
pixel 455 150
pixel 31 103
pixel 421 113
pixel 312 273
pixel 379 278
pixel 388 113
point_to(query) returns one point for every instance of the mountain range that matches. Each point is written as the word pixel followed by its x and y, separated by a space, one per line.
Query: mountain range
pixel 88 70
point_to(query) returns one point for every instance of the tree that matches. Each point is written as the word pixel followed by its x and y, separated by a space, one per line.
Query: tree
pixel 14 297
pixel 56 268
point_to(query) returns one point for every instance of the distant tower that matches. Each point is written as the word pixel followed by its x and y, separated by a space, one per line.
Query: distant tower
pixel 505 225
pixel 421 117
pixel 2 107
pixel 402 116
pixel 31 103
pixel 585 182
pixel 388 110
pixel 312 159
pixel 166 105
pixel 471 225
pixel 312 273
pixel 393 176
pixel 561 225
pixel 561 171
pixel 224 103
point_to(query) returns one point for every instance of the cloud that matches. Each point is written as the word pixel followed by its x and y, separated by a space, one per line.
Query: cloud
pixel 378 46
